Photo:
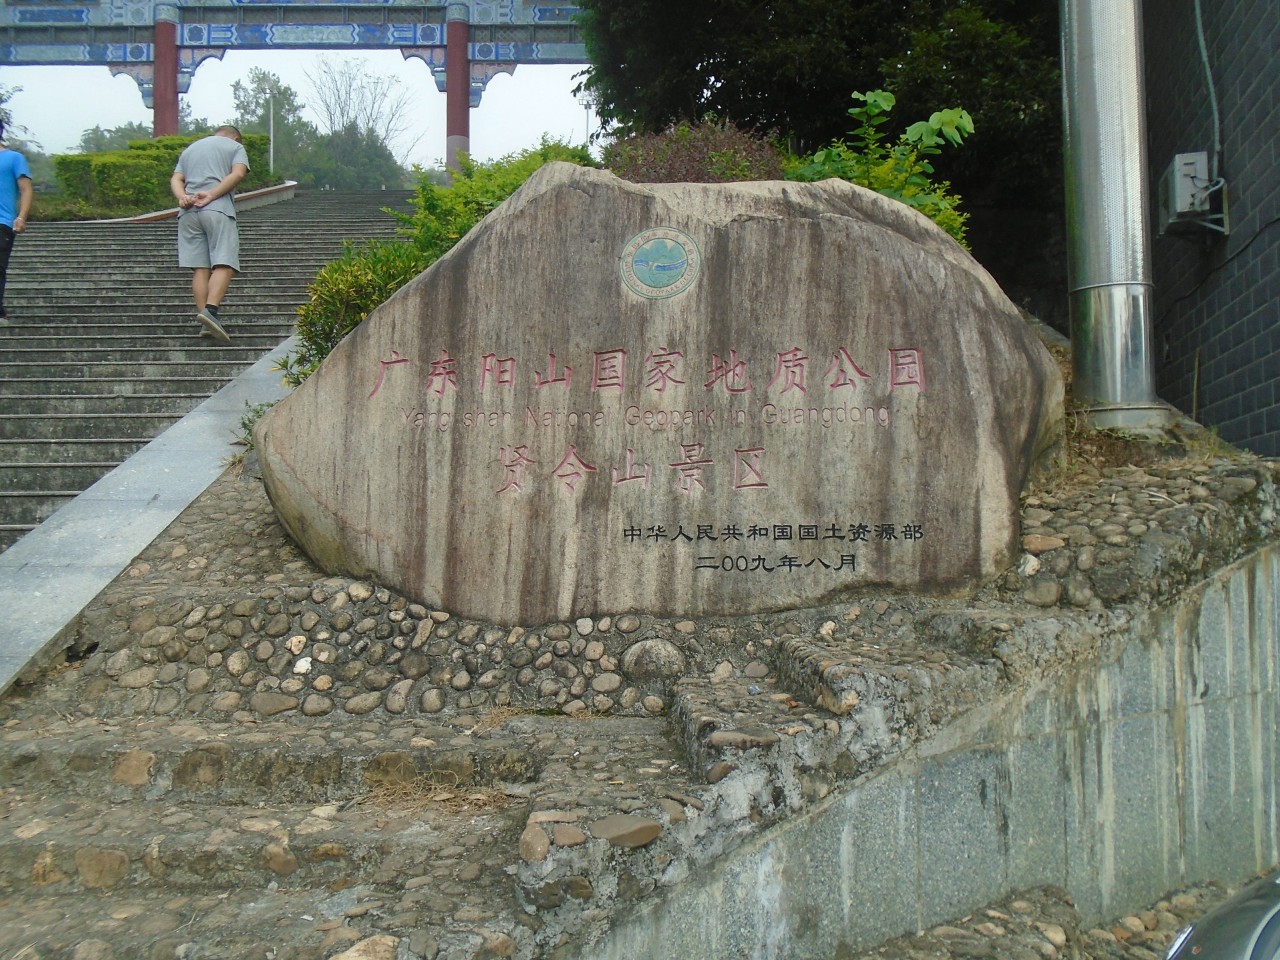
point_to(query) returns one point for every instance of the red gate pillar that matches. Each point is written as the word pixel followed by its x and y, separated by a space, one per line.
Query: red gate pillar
pixel 457 85
pixel 164 80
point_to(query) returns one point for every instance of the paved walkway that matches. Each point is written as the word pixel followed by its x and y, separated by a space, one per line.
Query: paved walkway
pixel 53 572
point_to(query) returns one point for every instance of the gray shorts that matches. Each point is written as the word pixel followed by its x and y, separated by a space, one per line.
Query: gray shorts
pixel 207 238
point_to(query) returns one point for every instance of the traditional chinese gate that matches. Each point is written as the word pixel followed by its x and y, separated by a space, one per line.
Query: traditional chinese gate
pixel 465 43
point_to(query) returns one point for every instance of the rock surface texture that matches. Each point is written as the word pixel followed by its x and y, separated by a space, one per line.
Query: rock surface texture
pixel 678 399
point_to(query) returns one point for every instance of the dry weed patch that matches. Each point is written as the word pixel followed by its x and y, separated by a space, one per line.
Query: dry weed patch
pixel 1088 453
pixel 433 792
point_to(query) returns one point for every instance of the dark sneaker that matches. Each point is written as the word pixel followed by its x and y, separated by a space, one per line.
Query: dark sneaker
pixel 212 326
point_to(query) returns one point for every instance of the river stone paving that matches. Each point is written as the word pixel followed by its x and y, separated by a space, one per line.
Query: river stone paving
pixel 243 757
pixel 1043 924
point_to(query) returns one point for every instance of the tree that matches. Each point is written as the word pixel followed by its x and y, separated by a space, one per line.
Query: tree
pixel 188 123
pixel 764 65
pixel 999 61
pixel 350 159
pixel 349 151
pixel 267 105
pixel 6 115
pixel 98 140
pixel 347 96
pixel 791 67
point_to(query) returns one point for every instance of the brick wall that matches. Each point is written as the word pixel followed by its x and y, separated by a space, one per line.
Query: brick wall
pixel 1217 299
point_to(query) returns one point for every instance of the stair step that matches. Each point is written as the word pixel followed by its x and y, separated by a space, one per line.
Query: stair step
pixel 166 271
pixel 64 477
pixel 143 327
pixel 192 764
pixel 89 347
pixel 33 506
pixel 114 293
pixel 113 404
pixel 104 426
pixel 218 367
pixel 163 265
pixel 278 323
pixel 239 921
pixel 170 848
pixel 210 806
pixel 198 351
pixel 69 450
pixel 11 533
pixel 172 309
pixel 269 269
pixel 99 386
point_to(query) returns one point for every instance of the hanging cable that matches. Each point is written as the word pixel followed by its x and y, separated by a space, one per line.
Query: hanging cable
pixel 1213 93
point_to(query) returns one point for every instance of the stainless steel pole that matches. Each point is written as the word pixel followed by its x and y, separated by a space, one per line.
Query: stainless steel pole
pixel 1109 269
pixel 271 133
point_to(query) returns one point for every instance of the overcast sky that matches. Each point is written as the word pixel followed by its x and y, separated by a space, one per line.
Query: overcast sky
pixel 58 103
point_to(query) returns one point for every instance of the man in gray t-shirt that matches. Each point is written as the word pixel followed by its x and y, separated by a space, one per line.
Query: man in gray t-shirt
pixel 208 241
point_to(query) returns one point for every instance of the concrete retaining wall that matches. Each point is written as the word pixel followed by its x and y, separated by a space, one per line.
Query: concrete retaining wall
pixel 1119 780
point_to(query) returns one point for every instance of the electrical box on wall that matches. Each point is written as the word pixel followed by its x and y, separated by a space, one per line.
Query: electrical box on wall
pixel 1188 200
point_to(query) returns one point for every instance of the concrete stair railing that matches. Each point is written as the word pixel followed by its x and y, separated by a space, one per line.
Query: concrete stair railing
pixel 103 352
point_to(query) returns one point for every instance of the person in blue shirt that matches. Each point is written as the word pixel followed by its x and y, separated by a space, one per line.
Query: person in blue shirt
pixel 15 205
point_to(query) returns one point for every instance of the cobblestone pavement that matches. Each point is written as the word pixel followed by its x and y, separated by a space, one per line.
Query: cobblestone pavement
pixel 1043 924
pixel 245 757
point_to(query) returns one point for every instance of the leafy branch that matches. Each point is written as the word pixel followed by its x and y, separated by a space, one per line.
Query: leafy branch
pixel 900 168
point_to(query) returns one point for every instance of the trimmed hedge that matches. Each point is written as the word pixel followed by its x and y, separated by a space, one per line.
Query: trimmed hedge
pixel 138 178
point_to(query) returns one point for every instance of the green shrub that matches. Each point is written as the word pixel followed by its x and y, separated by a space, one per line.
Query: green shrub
pixel 257 147
pixel 75 174
pixel 343 293
pixel 706 152
pixel 901 169
pixel 131 179
pixel 479 187
pixel 173 143
pixel 347 290
pixel 136 180
pixel 715 152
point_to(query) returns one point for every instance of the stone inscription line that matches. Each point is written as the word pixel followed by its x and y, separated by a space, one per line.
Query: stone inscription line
pixel 656 420
pixel 663 368
pixel 733 539
pixel 520 470
pixel 858 532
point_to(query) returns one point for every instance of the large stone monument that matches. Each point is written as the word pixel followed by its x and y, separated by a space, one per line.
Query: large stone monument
pixel 682 399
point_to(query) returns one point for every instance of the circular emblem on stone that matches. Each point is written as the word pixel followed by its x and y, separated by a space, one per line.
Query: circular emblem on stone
pixel 660 262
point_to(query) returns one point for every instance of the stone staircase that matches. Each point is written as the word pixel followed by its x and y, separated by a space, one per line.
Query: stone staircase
pixel 104 354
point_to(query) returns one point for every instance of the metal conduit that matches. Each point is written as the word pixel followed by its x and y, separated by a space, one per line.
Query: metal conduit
pixel 1108 265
